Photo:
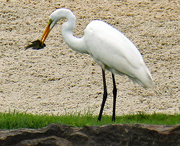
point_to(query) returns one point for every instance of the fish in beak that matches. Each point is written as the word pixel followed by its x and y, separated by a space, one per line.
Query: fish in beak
pixel 39 44
pixel 36 45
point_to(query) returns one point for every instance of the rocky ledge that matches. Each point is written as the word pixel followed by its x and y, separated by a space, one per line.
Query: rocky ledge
pixel 106 135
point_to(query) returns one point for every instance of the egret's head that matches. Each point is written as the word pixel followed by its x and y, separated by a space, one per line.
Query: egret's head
pixel 54 18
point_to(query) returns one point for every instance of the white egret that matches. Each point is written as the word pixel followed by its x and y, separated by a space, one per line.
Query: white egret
pixel 110 48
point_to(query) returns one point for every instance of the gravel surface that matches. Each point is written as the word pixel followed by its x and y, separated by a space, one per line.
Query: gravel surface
pixel 57 80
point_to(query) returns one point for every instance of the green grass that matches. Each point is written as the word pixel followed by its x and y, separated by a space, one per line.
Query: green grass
pixel 13 120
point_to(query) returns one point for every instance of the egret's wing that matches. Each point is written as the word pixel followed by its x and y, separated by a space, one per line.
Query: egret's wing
pixel 104 40
pixel 113 50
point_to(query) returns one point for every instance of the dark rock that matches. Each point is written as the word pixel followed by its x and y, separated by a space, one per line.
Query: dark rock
pixel 48 141
pixel 107 135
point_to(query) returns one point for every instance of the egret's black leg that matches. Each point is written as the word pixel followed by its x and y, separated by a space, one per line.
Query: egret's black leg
pixel 114 97
pixel 104 95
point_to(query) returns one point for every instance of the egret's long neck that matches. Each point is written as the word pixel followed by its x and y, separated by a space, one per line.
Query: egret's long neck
pixel 73 42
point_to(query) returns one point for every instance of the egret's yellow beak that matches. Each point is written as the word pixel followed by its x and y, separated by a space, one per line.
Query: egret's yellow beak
pixel 46 32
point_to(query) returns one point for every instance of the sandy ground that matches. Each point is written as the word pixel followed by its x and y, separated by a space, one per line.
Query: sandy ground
pixel 58 80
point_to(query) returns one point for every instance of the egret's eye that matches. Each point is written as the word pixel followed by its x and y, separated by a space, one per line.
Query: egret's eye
pixel 50 21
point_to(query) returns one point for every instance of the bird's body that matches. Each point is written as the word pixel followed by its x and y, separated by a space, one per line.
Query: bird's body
pixel 115 52
pixel 110 48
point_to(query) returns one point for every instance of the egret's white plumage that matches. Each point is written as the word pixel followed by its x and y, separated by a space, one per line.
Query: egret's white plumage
pixel 110 48
pixel 114 51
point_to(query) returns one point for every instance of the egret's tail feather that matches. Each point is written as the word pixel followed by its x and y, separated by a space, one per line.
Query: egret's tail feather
pixel 148 83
